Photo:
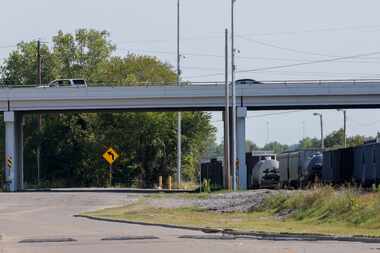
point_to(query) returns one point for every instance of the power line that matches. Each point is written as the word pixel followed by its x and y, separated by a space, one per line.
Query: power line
pixel 316 30
pixel 189 38
pixel 283 48
pixel 218 34
pixel 310 62
pixel 265 115
pixel 266 44
pixel 366 124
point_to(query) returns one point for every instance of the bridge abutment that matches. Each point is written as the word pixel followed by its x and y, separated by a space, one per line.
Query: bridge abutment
pixel 13 151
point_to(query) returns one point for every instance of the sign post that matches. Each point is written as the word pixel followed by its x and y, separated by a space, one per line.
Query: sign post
pixel 110 156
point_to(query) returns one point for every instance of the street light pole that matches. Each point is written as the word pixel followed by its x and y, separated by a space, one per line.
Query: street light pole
pixel 39 119
pixel 345 127
pixel 233 68
pixel 322 137
pixel 227 149
pixel 179 116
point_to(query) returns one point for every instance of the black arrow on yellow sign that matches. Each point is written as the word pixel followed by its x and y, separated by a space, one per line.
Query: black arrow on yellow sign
pixel 111 155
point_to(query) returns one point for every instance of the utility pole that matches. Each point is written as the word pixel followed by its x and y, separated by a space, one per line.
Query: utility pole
pixel 39 72
pixel 39 120
pixel 322 137
pixel 227 149
pixel 344 126
pixel 179 116
pixel 233 68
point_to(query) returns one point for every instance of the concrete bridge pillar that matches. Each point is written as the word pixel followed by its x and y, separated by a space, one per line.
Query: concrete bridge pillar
pixel 14 177
pixel 241 169
pixel 241 115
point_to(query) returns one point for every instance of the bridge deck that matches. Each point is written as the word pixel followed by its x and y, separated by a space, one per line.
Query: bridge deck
pixel 274 95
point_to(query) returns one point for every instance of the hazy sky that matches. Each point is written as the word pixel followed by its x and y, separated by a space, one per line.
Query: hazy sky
pixel 269 33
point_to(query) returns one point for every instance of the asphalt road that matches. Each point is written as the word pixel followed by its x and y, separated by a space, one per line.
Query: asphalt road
pixel 49 216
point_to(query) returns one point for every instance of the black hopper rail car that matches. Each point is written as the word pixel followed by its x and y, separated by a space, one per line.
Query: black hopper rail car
pixel 338 166
pixel 367 164
pixel 295 170
pixel 213 172
pixel 359 165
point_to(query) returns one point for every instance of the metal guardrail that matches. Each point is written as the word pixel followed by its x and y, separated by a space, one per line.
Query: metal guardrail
pixel 211 83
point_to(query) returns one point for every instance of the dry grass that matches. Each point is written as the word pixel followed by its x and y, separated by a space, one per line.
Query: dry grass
pixel 323 211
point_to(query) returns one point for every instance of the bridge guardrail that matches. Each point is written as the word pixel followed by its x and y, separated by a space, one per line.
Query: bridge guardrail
pixel 213 83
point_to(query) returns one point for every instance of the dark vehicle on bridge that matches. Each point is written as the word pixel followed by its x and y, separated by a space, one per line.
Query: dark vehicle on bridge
pixel 247 81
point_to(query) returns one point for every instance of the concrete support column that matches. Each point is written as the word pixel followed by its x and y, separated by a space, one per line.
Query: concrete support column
pixel 13 151
pixel 241 115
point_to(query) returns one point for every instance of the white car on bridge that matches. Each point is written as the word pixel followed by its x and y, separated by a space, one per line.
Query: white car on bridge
pixel 78 83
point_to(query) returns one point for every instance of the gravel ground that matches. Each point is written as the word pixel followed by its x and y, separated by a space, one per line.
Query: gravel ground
pixel 238 201
pixel 222 202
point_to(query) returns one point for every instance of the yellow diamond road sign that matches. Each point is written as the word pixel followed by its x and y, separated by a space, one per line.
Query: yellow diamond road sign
pixel 110 156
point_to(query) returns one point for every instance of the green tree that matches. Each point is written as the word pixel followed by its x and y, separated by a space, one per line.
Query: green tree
pixel 250 146
pixel 276 147
pixel 309 143
pixel 72 143
pixel 20 68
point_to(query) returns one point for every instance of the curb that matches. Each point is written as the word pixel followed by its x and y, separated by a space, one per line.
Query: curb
pixel 249 235
pixel 139 223
pixel 110 190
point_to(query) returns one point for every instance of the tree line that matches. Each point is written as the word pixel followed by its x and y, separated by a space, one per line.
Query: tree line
pixel 72 143
pixel 333 140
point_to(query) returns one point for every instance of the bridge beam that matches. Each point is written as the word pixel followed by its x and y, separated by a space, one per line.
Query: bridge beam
pixel 13 151
pixel 241 115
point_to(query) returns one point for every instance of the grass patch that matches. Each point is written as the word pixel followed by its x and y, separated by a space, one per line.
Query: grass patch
pixel 320 211
pixel 325 205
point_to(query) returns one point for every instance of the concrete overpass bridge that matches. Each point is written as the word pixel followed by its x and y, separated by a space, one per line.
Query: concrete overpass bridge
pixel 17 101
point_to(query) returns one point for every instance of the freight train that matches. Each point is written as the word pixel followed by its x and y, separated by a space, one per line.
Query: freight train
pixel 358 165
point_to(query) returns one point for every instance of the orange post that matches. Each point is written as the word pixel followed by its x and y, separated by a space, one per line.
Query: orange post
pixel 160 182
pixel 170 183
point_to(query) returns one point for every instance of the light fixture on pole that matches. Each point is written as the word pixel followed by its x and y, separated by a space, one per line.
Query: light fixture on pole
pixel 344 126
pixel 322 137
